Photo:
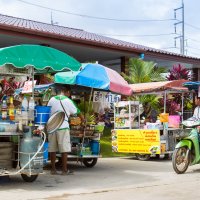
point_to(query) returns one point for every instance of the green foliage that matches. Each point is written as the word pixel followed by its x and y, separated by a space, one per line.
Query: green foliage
pixel 142 72
pixel 85 107
pixel 188 105
pixel 179 72
pixel 151 100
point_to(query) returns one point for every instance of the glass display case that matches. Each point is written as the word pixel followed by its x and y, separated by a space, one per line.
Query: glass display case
pixel 126 115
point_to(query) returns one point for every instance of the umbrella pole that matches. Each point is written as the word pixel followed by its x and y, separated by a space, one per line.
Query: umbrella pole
pixel 90 99
pixel 84 105
pixel 182 107
pixel 32 82
pixel 83 140
pixel 165 101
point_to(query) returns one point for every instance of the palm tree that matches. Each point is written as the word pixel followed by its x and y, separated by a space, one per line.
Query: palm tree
pixel 142 72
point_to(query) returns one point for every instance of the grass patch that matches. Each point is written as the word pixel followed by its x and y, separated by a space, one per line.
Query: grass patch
pixel 106 146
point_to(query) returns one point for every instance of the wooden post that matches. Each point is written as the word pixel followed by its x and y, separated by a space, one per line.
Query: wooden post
pixel 124 65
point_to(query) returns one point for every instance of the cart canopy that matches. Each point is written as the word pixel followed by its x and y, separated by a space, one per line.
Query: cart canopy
pixel 37 56
pixel 176 86
pixel 95 76
pixel 192 85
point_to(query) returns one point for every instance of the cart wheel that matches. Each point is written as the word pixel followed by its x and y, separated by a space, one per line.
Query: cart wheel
pixel 143 157
pixel 30 178
pixel 89 162
pixel 167 156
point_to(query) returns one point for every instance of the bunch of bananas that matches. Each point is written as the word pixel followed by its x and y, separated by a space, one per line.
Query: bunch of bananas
pixel 90 119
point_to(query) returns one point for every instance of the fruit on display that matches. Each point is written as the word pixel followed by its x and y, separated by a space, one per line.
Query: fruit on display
pixel 90 119
pixel 75 121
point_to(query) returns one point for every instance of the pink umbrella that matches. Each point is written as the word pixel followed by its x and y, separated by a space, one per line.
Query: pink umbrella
pixel 95 76
pixel 101 77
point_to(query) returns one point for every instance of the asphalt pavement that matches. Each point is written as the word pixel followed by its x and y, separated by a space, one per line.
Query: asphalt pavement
pixel 111 178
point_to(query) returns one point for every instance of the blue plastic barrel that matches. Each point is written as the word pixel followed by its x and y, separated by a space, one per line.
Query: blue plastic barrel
pixel 94 146
pixel 42 114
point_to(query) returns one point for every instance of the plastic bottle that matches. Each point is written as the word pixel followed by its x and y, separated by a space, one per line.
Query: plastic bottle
pixel 24 109
pixel 11 109
pixel 4 110
pixel 24 104
pixel 31 107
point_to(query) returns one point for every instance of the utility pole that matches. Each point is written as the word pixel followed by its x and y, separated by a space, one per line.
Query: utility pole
pixel 182 34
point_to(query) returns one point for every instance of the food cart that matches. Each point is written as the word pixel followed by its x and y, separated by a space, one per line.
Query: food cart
pixel 22 136
pixel 86 141
pixel 131 135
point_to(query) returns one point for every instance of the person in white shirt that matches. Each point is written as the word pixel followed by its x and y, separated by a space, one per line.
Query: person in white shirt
pixel 197 109
pixel 60 140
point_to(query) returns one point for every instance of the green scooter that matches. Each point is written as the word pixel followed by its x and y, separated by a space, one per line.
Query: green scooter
pixel 187 151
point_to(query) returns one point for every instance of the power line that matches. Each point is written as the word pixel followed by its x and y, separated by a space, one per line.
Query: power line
pixel 153 35
pixel 193 40
pixel 195 27
pixel 194 48
pixel 94 17
pixel 129 20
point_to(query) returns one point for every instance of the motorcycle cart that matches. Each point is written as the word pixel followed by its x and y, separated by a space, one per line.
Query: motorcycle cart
pixel 131 135
pixel 22 138
pixel 187 150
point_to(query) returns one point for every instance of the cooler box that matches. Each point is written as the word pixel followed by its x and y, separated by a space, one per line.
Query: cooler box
pixel 42 114
pixel 174 121
pixel 95 147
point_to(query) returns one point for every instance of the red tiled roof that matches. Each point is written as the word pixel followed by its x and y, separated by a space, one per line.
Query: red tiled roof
pixel 10 22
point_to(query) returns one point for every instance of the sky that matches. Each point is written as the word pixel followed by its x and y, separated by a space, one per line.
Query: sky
pixel 145 22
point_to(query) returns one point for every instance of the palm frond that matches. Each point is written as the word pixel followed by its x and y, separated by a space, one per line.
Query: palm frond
pixel 143 72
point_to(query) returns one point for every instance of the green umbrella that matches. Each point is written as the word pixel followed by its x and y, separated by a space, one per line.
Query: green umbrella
pixel 37 56
pixel 66 77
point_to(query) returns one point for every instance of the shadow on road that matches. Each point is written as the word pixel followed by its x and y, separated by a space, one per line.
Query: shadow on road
pixel 155 159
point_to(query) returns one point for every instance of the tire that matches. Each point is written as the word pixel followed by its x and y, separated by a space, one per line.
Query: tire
pixel 167 156
pixel 29 178
pixel 157 156
pixel 178 158
pixel 143 157
pixel 90 162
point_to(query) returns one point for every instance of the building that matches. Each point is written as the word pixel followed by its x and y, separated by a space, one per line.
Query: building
pixel 86 46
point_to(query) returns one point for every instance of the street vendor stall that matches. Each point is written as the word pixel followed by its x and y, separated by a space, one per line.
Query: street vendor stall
pixel 93 79
pixel 146 137
pixel 21 133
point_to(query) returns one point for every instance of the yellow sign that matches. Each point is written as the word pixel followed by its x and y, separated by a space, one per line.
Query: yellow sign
pixel 136 141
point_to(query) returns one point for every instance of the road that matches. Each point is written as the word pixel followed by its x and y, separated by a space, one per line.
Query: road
pixel 111 178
